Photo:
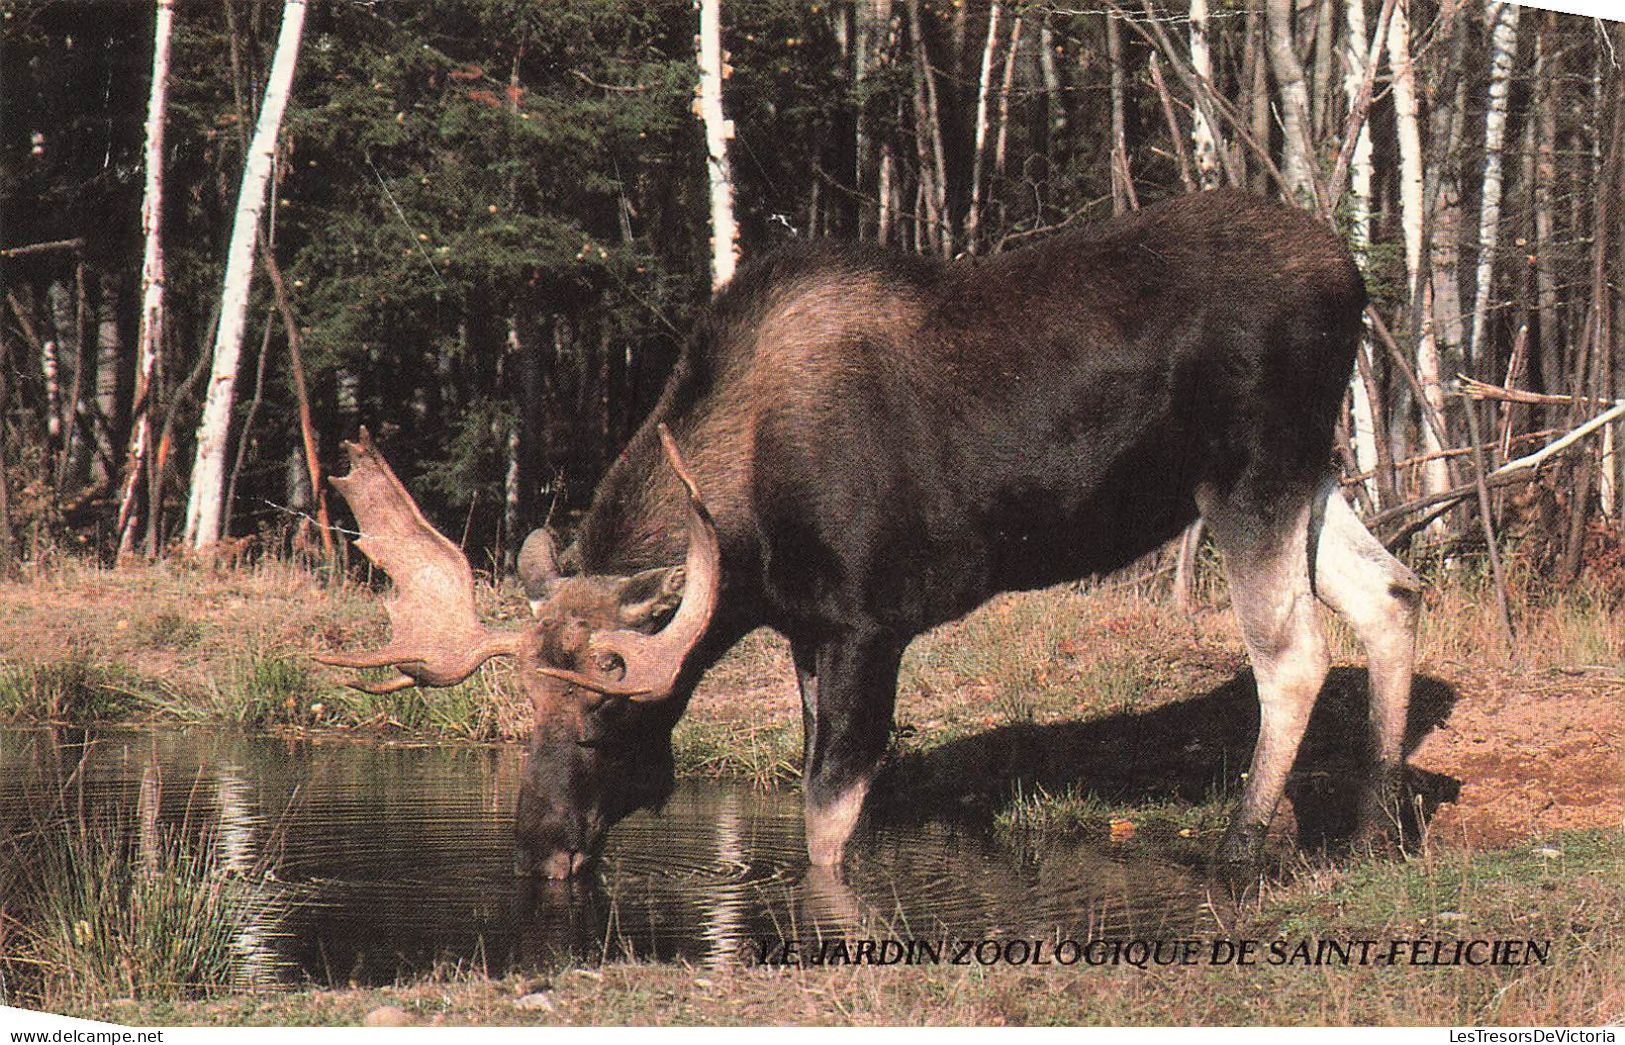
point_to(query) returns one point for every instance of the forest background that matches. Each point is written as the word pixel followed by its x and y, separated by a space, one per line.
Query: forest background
pixel 489 224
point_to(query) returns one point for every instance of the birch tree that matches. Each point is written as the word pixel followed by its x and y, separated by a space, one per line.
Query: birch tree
pixel 1297 153
pixel 1203 140
pixel 1503 52
pixel 203 518
pixel 1005 86
pixel 1122 182
pixel 152 278
pixel 1356 56
pixel 1435 473
pixel 984 91
pixel 928 127
pixel 718 130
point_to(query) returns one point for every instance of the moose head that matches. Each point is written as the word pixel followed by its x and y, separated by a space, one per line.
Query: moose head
pixel 600 661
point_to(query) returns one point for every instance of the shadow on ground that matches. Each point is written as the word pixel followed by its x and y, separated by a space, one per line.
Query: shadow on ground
pixel 1189 751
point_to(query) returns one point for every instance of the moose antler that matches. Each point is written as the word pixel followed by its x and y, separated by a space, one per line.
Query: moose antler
pixel 436 637
pixel 654 661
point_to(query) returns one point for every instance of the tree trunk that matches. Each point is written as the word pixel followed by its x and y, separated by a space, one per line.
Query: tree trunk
pixel 115 379
pixel 1321 90
pixel 1297 152
pixel 1001 139
pixel 1122 184
pixel 1435 473
pixel 203 520
pixel 1204 143
pixel 936 187
pixel 1503 52
pixel 869 53
pixel 152 282
pixel 1259 94
pixel 718 131
pixel 307 425
pixel 1442 181
pixel 1054 107
pixel 984 91
pixel 1546 300
pixel 1363 439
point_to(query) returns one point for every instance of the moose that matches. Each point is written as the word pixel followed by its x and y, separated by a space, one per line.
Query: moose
pixel 856 445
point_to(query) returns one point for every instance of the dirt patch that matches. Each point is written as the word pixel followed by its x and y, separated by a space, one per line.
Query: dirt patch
pixel 1534 751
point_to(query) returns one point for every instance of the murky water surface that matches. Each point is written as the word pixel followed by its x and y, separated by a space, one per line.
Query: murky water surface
pixel 394 859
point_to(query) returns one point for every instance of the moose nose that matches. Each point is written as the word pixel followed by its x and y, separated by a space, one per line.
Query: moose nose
pixel 563 864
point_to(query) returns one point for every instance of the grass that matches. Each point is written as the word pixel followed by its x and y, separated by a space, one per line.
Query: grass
pixel 1558 626
pixel 83 644
pixel 1037 817
pixel 1572 900
pixel 91 912
pixel 72 689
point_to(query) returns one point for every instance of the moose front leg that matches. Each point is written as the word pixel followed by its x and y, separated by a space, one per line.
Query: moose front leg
pixel 847 703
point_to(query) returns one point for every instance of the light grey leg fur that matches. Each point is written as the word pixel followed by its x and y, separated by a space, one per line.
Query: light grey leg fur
pixel 1380 598
pixel 1273 600
pixel 1280 622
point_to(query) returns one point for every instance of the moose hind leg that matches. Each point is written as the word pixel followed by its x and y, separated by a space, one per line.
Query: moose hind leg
pixel 1268 571
pixel 1380 598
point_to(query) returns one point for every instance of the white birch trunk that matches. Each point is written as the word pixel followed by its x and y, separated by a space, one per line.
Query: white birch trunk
pixel 984 91
pixel 203 519
pixel 53 391
pixel 152 277
pixel 1122 186
pixel 1503 52
pixel 1203 141
pixel 1005 86
pixel 936 208
pixel 718 130
pixel 1435 473
pixel 1364 436
pixel 109 353
pixel 1297 153
pixel 1052 77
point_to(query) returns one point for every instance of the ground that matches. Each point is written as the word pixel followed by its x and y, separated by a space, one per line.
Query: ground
pixel 1108 698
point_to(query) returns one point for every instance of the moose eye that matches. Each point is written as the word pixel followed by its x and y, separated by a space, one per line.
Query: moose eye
pixel 610 664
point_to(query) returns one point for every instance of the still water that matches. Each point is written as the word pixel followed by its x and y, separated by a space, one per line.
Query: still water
pixel 390 860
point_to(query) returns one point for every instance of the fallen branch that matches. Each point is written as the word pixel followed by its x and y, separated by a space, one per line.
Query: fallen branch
pixel 42 248
pixel 1474 389
pixel 1452 452
pixel 1509 473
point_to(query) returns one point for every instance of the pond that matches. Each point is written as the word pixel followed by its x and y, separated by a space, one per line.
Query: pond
pixel 390 860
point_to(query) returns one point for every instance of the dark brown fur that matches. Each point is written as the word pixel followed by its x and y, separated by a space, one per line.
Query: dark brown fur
pixel 885 441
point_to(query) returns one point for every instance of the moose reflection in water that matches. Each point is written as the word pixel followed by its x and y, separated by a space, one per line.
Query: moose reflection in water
pixel 390 860
pixel 387 861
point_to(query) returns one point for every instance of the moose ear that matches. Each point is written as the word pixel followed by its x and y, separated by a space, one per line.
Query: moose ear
pixel 538 565
pixel 648 598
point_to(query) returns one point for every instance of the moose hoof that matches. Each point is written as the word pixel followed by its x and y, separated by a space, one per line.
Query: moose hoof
pixel 1237 864
pixel 830 825
pixel 1380 827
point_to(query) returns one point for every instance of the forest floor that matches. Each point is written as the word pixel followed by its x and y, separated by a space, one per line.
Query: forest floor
pixel 1114 703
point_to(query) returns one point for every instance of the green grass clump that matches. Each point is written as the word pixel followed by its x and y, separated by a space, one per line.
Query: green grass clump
pixel 169 630
pixel 765 753
pixel 73 688
pixel 1037 815
pixel 275 690
pixel 95 912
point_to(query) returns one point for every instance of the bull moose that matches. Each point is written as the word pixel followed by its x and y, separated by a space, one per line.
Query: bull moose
pixel 856 445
